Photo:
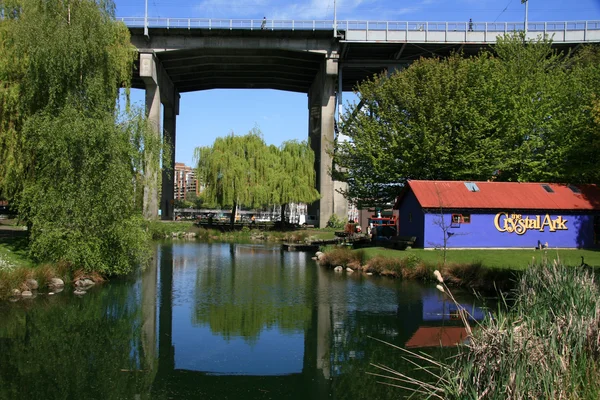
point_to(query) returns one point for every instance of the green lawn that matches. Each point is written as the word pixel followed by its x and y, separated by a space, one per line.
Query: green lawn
pixel 14 250
pixel 512 259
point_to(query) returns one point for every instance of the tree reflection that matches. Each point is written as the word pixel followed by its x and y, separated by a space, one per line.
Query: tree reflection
pixel 60 347
pixel 253 293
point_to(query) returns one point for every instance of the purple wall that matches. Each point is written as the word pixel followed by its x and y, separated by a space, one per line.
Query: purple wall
pixel 482 232
pixel 411 218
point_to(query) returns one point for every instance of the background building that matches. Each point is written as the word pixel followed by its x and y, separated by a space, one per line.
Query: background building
pixel 185 181
pixel 499 214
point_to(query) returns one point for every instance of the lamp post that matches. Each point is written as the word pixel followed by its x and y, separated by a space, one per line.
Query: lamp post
pixel 146 19
pixel 334 20
pixel 526 12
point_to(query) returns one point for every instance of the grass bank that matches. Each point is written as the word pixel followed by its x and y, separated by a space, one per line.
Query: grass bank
pixel 545 346
pixel 507 259
pixel 479 270
pixel 171 229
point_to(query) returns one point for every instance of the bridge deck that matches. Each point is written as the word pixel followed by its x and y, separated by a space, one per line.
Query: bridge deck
pixel 392 31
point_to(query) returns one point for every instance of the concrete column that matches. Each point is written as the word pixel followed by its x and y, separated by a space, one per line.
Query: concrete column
pixel 168 172
pixel 321 104
pixel 148 74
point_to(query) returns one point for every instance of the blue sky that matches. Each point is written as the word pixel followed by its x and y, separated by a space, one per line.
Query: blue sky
pixel 283 115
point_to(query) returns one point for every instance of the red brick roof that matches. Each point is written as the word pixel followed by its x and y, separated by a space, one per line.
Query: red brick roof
pixel 504 195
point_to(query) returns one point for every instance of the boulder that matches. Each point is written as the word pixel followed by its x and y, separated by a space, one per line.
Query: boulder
pixel 349 270
pixel 26 293
pixel 88 282
pixel 15 292
pixel 338 269
pixel 56 282
pixel 32 284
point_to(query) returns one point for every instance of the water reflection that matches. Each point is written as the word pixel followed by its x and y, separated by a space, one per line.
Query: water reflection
pixel 222 321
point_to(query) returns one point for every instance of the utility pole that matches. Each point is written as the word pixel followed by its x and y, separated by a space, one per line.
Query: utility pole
pixel 526 13
pixel 334 20
pixel 146 20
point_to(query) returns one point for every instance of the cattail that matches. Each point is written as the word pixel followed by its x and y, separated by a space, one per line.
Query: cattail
pixel 440 288
pixel 438 276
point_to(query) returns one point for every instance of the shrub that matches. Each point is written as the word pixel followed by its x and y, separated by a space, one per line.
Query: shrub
pixel 335 222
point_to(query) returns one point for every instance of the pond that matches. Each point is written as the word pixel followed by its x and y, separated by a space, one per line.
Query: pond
pixel 223 321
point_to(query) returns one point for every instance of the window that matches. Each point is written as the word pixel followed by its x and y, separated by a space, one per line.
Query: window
pixel 574 189
pixel 461 218
pixel 472 186
pixel 548 189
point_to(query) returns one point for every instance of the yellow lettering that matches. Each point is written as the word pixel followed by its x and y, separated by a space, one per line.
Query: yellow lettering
pixel 560 223
pixel 530 223
pixel 497 222
pixel 521 227
pixel 510 223
pixel 547 222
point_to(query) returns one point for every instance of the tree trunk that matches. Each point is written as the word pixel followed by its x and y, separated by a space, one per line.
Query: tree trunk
pixel 283 208
pixel 232 219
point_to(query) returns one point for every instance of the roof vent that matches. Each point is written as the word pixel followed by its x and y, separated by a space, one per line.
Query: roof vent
pixel 575 189
pixel 548 189
pixel 471 186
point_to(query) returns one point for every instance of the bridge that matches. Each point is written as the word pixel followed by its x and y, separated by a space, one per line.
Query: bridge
pixel 320 58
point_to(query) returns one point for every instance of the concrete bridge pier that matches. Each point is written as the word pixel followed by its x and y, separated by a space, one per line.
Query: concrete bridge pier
pixel 321 106
pixel 160 90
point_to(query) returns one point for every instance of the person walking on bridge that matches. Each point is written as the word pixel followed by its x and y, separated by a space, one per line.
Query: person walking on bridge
pixel 263 25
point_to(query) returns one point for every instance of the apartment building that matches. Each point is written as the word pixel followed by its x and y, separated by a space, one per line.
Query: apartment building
pixel 185 181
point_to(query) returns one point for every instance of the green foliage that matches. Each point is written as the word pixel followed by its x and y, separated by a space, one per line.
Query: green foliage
pixel 335 222
pixel 75 171
pixel 162 229
pixel 243 170
pixel 79 197
pixel 524 113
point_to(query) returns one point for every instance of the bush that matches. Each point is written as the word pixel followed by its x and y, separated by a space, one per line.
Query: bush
pixel 335 222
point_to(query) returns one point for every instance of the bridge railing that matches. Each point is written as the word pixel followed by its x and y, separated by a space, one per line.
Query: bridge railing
pixel 209 23
pixel 388 30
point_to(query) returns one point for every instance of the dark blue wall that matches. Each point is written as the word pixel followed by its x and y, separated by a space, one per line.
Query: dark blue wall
pixel 411 218
pixel 482 232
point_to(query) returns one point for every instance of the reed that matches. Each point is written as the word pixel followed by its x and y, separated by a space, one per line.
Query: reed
pixel 545 346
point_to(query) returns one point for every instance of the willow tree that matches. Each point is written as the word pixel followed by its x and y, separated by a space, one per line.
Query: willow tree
pixel 236 171
pixel 69 164
pixel 296 178
pixel 244 171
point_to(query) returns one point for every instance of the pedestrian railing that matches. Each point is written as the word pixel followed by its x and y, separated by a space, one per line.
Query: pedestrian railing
pixel 566 31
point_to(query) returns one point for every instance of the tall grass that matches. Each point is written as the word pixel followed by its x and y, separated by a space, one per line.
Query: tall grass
pixel 546 346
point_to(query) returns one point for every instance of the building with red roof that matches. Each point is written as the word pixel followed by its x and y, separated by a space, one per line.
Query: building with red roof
pixel 499 214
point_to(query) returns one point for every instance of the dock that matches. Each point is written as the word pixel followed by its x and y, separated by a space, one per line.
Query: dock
pixel 315 245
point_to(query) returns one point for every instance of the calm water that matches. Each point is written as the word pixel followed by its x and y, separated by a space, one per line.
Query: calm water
pixel 220 321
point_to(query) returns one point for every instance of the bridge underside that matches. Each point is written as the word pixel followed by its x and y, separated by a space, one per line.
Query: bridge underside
pixel 195 70
pixel 179 60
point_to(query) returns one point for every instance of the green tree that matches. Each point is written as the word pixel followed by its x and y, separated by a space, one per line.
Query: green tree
pixel 295 181
pixel 522 113
pixel 244 171
pixel 71 165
